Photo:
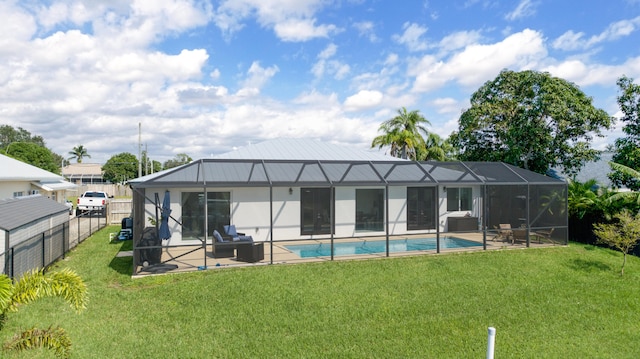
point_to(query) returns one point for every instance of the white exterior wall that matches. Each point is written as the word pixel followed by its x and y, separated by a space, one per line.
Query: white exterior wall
pixel 8 188
pixel 476 211
pixel 250 212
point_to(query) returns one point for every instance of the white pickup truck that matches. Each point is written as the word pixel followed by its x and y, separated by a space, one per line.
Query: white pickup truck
pixel 92 201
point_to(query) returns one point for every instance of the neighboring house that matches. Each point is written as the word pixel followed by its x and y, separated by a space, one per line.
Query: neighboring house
pixel 304 189
pixel 34 232
pixel 83 173
pixel 19 179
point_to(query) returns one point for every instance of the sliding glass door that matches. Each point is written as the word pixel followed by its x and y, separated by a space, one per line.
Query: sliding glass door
pixel 315 208
pixel 421 208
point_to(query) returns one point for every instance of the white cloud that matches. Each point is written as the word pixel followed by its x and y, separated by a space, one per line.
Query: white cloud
pixel 297 30
pixel 325 65
pixel 571 40
pixel 366 29
pixel 479 63
pixel 585 74
pixel 362 100
pixel 16 26
pixel 446 105
pixel 459 40
pixel 291 20
pixel 412 37
pixel 257 76
pixel 524 9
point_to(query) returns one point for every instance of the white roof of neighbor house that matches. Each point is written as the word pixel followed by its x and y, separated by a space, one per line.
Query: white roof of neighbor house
pixel 14 170
pixel 303 149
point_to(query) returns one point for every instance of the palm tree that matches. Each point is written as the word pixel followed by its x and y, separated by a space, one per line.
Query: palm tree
pixel 34 285
pixel 403 134
pixel 437 149
pixel 633 196
pixel 582 197
pixel 79 153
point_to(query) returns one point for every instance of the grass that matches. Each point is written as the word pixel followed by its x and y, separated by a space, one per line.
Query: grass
pixel 555 302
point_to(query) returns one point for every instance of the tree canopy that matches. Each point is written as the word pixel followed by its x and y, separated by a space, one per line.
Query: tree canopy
pixel 22 145
pixel 121 167
pixel 627 149
pixel 35 155
pixel 403 134
pixel 9 135
pixel 532 120
pixel 179 160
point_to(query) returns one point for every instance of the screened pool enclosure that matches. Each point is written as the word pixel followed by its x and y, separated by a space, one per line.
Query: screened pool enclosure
pixel 276 204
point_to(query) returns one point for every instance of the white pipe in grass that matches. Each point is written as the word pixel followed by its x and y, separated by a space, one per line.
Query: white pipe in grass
pixel 491 341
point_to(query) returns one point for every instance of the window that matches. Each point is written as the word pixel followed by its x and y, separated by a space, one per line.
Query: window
pixel 315 208
pixel 218 213
pixel 421 208
pixel 459 199
pixel 369 209
pixel 18 194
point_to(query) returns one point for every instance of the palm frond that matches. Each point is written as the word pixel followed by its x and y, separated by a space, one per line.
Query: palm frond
pixel 6 292
pixel 624 169
pixel 50 338
pixel 34 285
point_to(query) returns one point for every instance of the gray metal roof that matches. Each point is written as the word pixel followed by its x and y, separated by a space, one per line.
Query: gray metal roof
pixel 303 149
pixel 16 212
pixel 281 173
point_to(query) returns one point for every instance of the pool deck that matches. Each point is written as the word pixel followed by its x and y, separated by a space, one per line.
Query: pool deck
pixel 193 258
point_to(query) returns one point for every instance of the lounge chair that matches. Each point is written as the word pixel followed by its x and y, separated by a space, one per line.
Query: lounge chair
pixel 544 234
pixel 519 234
pixel 504 232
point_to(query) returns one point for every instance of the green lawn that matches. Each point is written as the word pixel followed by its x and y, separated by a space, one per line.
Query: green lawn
pixel 561 302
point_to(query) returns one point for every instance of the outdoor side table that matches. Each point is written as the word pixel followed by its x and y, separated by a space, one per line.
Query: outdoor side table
pixel 250 252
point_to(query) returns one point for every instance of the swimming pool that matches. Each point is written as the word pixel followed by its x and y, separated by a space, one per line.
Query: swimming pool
pixel 380 246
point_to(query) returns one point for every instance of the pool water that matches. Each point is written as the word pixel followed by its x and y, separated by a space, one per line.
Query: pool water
pixel 368 247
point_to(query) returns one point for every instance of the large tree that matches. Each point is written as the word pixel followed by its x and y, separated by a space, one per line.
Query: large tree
pixel 179 160
pixel 78 153
pixel 121 168
pixel 532 120
pixel 35 155
pixel 8 135
pixel 11 139
pixel 437 149
pixel 627 149
pixel 403 134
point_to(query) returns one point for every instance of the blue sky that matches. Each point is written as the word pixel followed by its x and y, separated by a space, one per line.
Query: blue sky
pixel 205 77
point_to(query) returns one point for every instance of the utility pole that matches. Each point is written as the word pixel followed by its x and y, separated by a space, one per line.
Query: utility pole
pixel 139 149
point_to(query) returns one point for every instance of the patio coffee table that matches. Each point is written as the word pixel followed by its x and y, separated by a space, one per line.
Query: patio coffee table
pixel 250 252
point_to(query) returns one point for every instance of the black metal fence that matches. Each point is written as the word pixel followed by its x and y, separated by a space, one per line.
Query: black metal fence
pixel 42 249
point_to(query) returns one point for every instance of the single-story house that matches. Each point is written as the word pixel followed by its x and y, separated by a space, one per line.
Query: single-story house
pixel 285 190
pixel 22 179
pixel 84 173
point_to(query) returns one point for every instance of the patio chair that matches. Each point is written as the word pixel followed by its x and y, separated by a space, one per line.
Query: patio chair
pixel 519 234
pixel 221 248
pixel 544 234
pixel 232 234
pixel 504 232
